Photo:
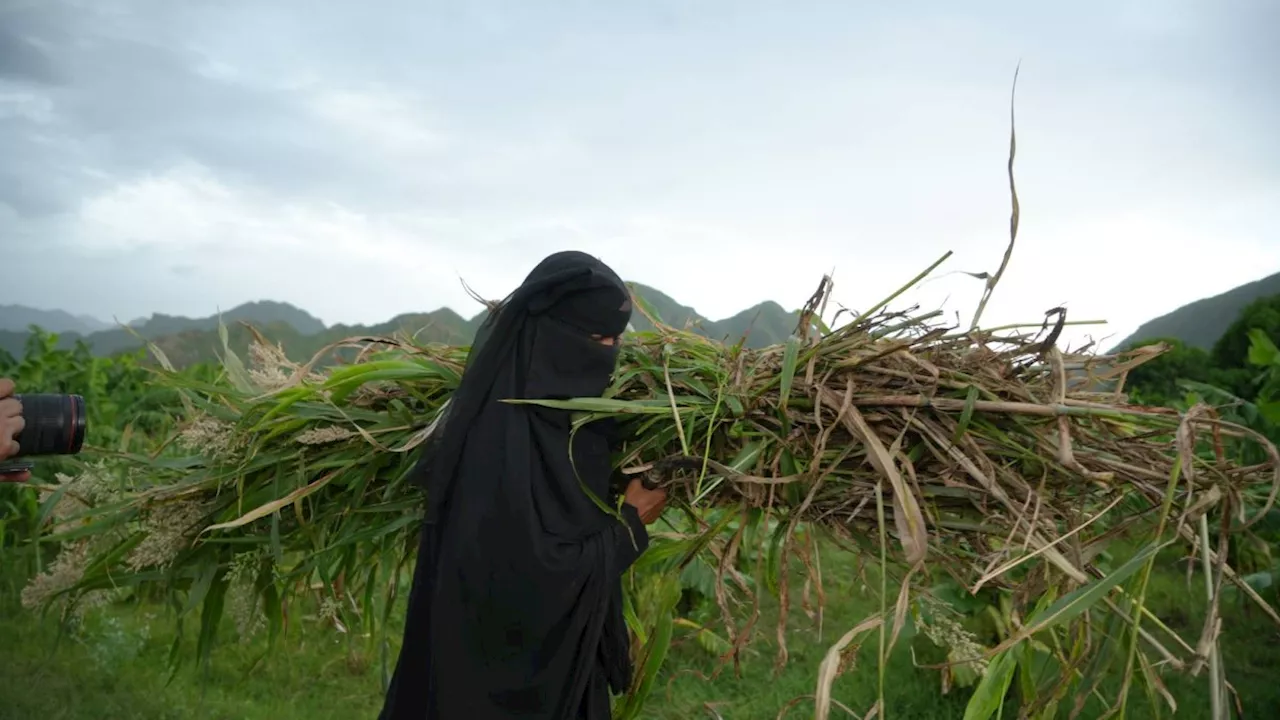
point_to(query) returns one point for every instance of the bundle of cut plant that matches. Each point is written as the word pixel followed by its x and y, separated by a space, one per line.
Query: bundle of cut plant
pixel 990 457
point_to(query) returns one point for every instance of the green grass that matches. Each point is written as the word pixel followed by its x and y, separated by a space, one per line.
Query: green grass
pixel 115 666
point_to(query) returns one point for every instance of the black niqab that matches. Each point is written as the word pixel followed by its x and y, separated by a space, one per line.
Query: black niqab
pixel 515 609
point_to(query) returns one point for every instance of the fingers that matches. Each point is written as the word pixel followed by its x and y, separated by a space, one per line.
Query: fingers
pixel 660 506
pixel 8 446
pixel 654 511
pixel 649 503
pixel 11 423
pixel 10 408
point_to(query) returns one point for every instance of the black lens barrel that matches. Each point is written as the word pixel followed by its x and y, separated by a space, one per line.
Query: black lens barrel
pixel 55 425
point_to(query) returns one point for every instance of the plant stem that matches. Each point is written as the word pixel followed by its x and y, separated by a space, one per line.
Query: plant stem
pixel 1216 707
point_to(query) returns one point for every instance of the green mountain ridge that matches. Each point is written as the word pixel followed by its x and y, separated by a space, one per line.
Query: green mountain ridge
pixel 190 340
pixel 17 318
pixel 1201 323
pixel 186 341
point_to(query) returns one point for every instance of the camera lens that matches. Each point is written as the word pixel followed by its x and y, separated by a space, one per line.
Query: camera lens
pixel 55 425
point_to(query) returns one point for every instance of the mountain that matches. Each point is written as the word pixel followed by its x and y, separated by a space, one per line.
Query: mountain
pixel 186 341
pixel 192 340
pixel 443 325
pixel 667 310
pixel 762 325
pixel 109 340
pixel 255 313
pixel 17 318
pixel 1201 323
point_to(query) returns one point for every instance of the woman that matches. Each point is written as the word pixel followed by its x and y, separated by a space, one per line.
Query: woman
pixel 516 606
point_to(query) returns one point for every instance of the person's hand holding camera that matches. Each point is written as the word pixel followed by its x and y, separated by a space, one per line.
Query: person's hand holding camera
pixel 11 424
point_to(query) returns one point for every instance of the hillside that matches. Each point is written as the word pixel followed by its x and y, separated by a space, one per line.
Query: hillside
pixel 192 340
pixel 17 318
pixel 762 325
pixel 1201 323
pixel 115 339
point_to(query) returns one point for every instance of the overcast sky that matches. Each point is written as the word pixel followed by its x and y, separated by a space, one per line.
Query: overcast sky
pixel 357 158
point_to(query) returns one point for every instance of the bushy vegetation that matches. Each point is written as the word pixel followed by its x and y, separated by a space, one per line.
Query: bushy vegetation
pixel 730 579
pixel 1233 365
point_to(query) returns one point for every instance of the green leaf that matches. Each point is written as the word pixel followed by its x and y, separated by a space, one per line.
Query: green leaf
pixel 277 548
pixel 1260 580
pixel 203 583
pixel 1270 410
pixel 275 617
pixel 674 555
pixel 231 362
pixel 604 405
pixel 966 415
pixel 736 409
pixel 210 617
pixel 774 559
pixel 988 697
pixel 633 620
pixel 790 358
pixel 644 306
pixel 654 654
pixel 746 458
pixel 1074 603
pixel 712 643
pixel 176 657
pixel 275 505
pixel 1262 351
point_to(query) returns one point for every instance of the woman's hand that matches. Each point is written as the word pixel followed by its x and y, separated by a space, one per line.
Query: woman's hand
pixel 649 504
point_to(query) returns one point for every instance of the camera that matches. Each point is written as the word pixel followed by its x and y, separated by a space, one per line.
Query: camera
pixel 54 425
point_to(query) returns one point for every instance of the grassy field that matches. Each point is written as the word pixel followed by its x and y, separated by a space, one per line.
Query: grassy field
pixel 115 667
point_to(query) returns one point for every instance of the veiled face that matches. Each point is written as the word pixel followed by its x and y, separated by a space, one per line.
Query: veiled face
pixel 573 350
pixel 598 313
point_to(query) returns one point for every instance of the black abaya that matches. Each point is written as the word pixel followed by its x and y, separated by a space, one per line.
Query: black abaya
pixel 515 609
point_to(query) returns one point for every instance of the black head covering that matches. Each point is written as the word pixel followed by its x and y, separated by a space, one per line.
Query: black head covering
pixel 516 604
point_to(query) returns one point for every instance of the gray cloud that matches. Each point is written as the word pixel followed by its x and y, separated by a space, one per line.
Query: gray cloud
pixel 155 138
pixel 22 60
pixel 135 102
